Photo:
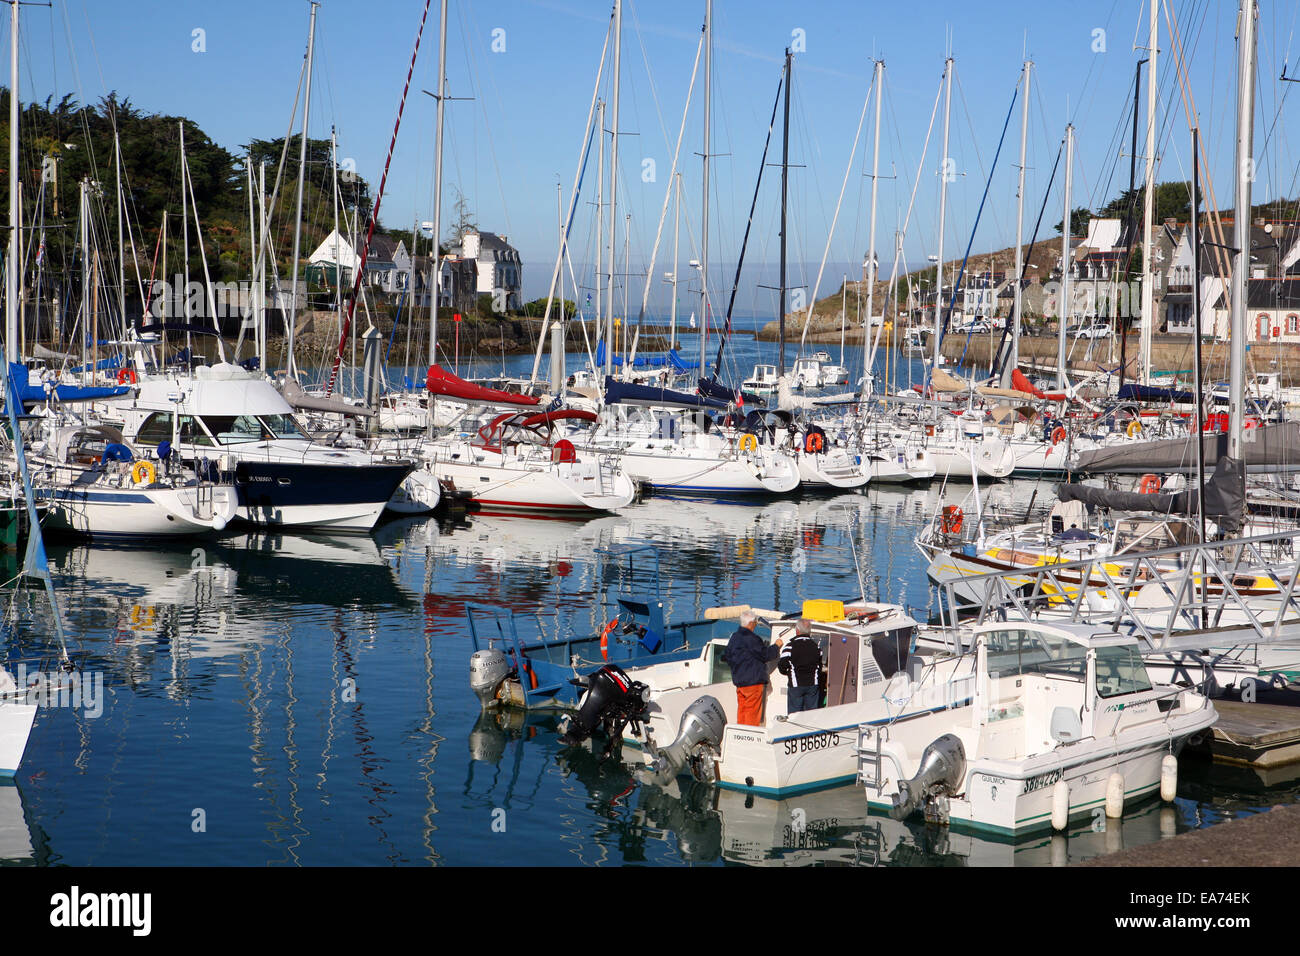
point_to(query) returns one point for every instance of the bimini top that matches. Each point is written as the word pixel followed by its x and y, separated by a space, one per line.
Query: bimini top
pixel 1085 635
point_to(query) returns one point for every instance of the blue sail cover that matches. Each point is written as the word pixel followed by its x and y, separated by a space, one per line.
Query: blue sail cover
pixel 30 394
pixel 1153 393
pixel 616 392
pixel 679 363
pixel 100 366
pixel 712 388
pixel 643 361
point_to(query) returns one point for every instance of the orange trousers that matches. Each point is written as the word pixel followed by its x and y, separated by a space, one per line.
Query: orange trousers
pixel 749 705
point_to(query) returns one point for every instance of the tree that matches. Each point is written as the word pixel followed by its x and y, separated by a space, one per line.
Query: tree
pixel 537 308
pixel 1079 218
pixel 464 222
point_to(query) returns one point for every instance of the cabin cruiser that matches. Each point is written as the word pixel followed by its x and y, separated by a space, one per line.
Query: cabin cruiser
pixel 94 483
pixel 1064 722
pixel 225 420
pixel 763 382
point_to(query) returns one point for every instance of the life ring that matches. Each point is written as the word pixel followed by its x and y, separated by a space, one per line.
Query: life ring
pixel 814 443
pixel 532 674
pixel 951 520
pixel 1149 485
pixel 1058 434
pixel 1134 429
pixel 1250 422
pixel 747 442
pixel 144 473
pixel 604 635
pixel 127 376
pixel 929 431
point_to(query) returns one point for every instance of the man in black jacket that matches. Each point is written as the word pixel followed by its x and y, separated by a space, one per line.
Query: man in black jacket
pixel 801 662
pixel 748 656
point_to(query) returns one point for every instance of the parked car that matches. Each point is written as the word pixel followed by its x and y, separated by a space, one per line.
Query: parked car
pixel 1090 330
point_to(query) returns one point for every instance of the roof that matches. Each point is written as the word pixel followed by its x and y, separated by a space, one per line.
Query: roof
pixel 1273 293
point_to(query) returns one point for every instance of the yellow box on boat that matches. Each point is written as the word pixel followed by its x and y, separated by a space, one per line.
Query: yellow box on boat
pixel 823 610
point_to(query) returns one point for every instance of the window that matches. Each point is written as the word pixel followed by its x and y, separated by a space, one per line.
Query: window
pixel 1293 324
pixel 156 428
pixel 1120 671
pixel 233 429
pixel 283 426
pixel 1261 326
pixel 1034 652
pixel 192 433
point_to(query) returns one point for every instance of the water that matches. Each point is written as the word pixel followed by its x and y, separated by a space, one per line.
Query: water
pixel 303 700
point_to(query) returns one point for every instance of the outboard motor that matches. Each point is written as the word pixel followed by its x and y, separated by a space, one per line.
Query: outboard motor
pixel 487 671
pixel 612 700
pixel 698 737
pixel 943 766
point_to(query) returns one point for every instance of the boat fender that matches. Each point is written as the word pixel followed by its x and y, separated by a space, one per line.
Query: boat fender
pixel 747 443
pixel 1168 778
pixel 604 638
pixel 143 472
pixel 1060 805
pixel 1149 485
pixel 1115 795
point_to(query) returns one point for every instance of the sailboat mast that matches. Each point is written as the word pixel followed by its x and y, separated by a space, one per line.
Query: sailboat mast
pixel 1148 303
pixel 558 326
pixel 1241 225
pixel 871 237
pixel 677 234
pixel 11 268
pixel 704 220
pixel 613 188
pixel 785 169
pixel 600 233
pixel 302 171
pixel 1013 356
pixel 1065 260
pixel 435 283
pixel 943 210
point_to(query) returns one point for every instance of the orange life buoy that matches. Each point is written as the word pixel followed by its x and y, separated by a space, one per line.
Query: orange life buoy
pixel 604 638
pixel 1251 422
pixel 126 375
pixel 1149 485
pixel 951 521
pixel 1058 434
pixel 929 431
pixel 813 443
pixel 532 674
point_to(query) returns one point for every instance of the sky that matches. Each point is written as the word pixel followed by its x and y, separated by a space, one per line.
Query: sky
pixel 530 67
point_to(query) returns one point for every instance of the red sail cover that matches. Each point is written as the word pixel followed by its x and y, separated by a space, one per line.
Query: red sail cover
pixel 441 382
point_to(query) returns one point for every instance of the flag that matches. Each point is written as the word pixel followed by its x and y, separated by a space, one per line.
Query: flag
pixel 40 252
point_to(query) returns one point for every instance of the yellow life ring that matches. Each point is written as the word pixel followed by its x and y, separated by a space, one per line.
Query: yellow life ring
pixel 747 442
pixel 1134 429
pixel 144 473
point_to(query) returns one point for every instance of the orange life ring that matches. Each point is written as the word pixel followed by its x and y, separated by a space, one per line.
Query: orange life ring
pixel 1058 434
pixel 929 431
pixel 126 375
pixel 604 638
pixel 814 443
pixel 1250 422
pixel 1149 485
pixel 532 674
pixel 951 521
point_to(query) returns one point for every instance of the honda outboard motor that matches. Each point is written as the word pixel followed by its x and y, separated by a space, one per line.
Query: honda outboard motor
pixel 487 670
pixel 698 737
pixel 612 700
pixel 943 767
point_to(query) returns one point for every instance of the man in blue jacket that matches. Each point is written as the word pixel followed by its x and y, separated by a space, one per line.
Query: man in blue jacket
pixel 748 654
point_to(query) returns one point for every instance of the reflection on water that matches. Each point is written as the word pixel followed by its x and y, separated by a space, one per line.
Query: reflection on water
pixel 301 699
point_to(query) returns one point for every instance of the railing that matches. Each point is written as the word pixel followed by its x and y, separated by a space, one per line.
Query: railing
pixel 1169 597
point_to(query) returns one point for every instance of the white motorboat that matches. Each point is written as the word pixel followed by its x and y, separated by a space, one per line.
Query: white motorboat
pixel 16 716
pixel 1064 723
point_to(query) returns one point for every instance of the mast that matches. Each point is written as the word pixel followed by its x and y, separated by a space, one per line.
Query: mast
pixel 185 248
pixel 704 221
pixel 11 267
pixel 436 279
pixel 1013 355
pixel 785 169
pixel 871 238
pixel 261 267
pixel 1198 425
pixel 1241 226
pixel 302 170
pixel 677 233
pixel 84 207
pixel 600 235
pixel 613 188
pixel 1148 304
pixel 1065 260
pixel 557 327
pixel 338 275
pixel 943 211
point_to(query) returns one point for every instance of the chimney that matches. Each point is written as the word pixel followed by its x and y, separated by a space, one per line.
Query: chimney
pixel 1171 222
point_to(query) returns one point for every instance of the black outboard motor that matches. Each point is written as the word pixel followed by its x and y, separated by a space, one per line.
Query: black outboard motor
pixel 611 702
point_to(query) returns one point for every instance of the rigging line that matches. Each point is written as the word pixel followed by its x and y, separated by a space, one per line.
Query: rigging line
pixel 374 214
pixel 744 242
pixel 830 235
pixel 956 285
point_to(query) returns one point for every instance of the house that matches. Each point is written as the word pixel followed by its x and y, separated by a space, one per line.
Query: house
pixel 388 264
pixel 334 262
pixel 498 265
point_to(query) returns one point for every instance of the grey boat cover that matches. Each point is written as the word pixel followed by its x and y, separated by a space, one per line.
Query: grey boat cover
pixel 293 394
pixel 1225 497
pixel 1268 448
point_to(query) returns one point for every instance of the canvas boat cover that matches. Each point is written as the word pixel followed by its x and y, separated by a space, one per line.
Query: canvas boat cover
pixel 1268 448
pixel 1225 497
pixel 442 382
pixel 631 394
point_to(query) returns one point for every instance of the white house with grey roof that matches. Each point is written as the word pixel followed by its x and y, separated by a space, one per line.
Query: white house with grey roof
pixel 498 264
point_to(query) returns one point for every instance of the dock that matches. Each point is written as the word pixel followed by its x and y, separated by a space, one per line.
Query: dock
pixel 1255 734
pixel 1262 839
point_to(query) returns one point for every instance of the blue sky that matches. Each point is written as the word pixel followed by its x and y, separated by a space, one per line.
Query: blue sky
pixel 521 134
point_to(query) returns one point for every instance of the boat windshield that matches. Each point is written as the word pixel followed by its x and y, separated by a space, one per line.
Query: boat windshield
pixel 1021 651
pixel 1120 670
pixel 234 429
pixel 283 426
